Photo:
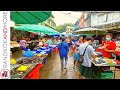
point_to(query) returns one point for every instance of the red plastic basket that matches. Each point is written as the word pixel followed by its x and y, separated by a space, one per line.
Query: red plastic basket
pixel 55 49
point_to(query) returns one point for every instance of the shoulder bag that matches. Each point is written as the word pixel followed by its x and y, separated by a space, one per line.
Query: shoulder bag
pixel 81 58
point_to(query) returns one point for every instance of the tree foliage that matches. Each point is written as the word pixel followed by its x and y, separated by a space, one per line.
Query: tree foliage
pixel 61 28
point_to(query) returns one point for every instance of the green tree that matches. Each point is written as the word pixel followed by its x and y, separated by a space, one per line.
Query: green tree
pixel 61 28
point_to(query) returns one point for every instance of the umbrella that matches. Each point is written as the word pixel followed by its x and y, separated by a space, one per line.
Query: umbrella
pixel 35 28
pixel 29 17
pixel 90 30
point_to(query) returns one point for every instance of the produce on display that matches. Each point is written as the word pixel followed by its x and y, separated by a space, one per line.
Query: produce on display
pixel 104 61
pixel 22 68
pixel 14 44
pixel 39 55
pixel 12 61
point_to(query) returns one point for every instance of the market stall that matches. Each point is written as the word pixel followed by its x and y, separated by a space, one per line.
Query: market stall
pixel 99 63
pixel 23 67
pixel 28 67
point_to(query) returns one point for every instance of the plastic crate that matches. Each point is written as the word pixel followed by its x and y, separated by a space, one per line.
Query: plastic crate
pixel 107 75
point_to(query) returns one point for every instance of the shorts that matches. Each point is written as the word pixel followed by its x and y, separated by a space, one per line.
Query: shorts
pixel 86 71
pixel 76 56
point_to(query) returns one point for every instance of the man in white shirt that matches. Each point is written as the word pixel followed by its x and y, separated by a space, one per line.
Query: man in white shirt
pixel 85 68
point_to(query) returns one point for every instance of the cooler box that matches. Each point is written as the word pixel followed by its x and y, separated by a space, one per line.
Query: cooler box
pixel 107 75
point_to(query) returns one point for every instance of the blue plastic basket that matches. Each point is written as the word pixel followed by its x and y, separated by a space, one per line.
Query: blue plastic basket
pixel 43 48
pixel 38 52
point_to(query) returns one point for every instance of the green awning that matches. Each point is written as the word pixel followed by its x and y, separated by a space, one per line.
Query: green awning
pixel 29 17
pixel 36 29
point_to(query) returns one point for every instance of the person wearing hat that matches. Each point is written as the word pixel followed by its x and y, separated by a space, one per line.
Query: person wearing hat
pixel 63 52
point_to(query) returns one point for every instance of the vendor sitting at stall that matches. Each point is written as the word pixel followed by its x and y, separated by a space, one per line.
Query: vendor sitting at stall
pixel 108 48
pixel 49 41
pixel 23 43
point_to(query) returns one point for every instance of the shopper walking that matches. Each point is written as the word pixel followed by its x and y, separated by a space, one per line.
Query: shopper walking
pixel 76 53
pixel 63 51
pixel 85 68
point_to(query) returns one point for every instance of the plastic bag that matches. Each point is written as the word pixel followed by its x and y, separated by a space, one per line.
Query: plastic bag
pixel 28 53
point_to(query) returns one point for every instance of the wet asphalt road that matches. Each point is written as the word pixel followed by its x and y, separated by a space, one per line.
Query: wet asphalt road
pixel 52 69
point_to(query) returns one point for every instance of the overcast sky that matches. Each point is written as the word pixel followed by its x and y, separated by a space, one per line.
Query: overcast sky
pixel 61 17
